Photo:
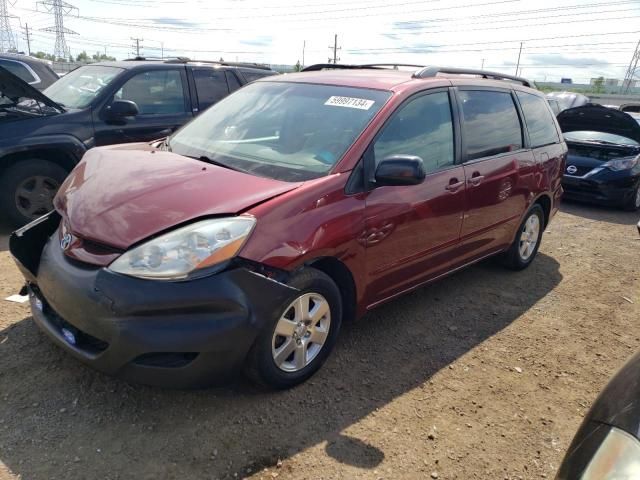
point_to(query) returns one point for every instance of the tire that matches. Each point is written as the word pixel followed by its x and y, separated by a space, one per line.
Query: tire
pixel 633 204
pixel 27 189
pixel 514 258
pixel 270 348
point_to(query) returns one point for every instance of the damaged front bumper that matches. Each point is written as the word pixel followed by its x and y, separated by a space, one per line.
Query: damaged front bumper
pixel 178 334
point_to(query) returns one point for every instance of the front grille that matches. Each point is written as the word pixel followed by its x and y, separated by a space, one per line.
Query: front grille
pixel 166 359
pixel 83 340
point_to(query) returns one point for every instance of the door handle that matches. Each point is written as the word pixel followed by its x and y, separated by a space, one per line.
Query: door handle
pixel 454 185
pixel 476 179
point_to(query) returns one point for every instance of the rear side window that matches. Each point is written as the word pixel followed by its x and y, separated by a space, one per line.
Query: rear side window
pixel 19 70
pixel 232 81
pixel 491 125
pixel 211 85
pixel 253 76
pixel 537 116
pixel 423 127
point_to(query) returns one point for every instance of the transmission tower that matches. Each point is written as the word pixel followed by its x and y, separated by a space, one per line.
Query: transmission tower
pixel 7 42
pixel 631 71
pixel 60 8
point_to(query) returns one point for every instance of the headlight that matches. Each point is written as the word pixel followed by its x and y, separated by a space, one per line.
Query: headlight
pixel 622 164
pixel 176 254
pixel 617 458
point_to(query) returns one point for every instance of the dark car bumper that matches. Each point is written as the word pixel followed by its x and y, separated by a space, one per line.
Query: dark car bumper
pixel 615 192
pixel 177 334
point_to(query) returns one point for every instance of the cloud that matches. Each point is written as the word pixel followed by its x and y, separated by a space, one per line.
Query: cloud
pixel 176 22
pixel 564 60
pixel 261 41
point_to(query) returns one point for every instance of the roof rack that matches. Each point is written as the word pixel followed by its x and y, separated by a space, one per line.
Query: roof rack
pixel 424 72
pixel 429 72
pixel 260 66
pixel 341 66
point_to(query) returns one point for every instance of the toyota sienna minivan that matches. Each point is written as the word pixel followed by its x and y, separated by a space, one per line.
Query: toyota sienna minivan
pixel 245 239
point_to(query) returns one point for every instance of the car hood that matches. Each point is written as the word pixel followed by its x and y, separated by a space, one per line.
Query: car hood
pixel 16 89
pixel 600 119
pixel 119 196
pixel 619 403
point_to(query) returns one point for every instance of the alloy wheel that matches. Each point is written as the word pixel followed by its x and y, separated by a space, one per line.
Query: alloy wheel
pixel 34 196
pixel 301 332
pixel 529 237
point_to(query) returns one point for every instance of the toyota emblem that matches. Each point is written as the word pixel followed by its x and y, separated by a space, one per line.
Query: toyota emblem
pixel 571 169
pixel 65 241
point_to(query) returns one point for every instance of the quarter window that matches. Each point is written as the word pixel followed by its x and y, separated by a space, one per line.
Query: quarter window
pixel 211 85
pixel 423 128
pixel 155 92
pixel 540 124
pixel 491 125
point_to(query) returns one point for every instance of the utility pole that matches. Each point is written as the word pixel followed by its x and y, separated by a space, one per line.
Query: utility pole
pixel 27 37
pixel 631 70
pixel 7 41
pixel 59 8
pixel 335 49
pixel 162 50
pixel 136 47
pixel 482 66
pixel 519 53
pixel 304 44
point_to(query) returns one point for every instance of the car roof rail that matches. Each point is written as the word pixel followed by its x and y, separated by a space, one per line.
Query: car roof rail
pixel 333 66
pixel 392 65
pixel 259 66
pixel 158 59
pixel 430 72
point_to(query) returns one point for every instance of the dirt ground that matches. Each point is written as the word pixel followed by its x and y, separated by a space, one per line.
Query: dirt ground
pixel 486 374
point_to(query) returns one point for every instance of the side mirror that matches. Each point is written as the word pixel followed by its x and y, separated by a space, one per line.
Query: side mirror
pixel 397 170
pixel 123 108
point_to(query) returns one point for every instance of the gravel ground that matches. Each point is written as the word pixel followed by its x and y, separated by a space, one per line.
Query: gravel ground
pixel 486 374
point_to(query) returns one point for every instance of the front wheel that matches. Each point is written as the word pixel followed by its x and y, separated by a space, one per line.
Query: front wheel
pixel 301 335
pixel 27 189
pixel 525 246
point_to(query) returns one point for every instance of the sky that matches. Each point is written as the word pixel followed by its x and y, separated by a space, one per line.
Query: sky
pixel 578 39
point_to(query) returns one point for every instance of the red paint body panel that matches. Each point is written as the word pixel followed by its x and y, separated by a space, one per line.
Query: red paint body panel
pixel 120 196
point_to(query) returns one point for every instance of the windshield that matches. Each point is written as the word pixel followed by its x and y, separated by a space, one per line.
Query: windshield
pixel 78 88
pixel 592 136
pixel 280 130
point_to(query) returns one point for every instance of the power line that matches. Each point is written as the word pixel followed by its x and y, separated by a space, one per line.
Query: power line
pixel 631 70
pixel 7 41
pixel 335 49
pixel 27 37
pixel 60 8
pixel 137 46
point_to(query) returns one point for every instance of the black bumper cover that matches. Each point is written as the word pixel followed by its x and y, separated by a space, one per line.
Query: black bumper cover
pixel 175 334
pixel 615 192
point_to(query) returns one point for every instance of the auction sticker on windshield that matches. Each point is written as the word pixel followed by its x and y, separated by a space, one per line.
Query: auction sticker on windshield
pixel 350 102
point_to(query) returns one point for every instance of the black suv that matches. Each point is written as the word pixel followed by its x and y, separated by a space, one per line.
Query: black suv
pixel 44 134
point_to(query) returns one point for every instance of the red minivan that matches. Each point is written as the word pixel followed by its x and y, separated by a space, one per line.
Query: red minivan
pixel 244 240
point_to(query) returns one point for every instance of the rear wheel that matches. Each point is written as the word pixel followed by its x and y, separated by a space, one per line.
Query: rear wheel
pixel 301 335
pixel 27 189
pixel 525 246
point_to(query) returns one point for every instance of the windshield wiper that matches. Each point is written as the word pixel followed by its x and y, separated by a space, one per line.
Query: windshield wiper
pixel 204 158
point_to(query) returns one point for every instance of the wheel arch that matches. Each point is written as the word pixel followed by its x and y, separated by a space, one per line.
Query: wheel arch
pixel 544 200
pixel 343 278
pixel 64 150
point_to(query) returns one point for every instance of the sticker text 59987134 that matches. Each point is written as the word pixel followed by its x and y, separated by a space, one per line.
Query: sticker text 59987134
pixel 350 102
